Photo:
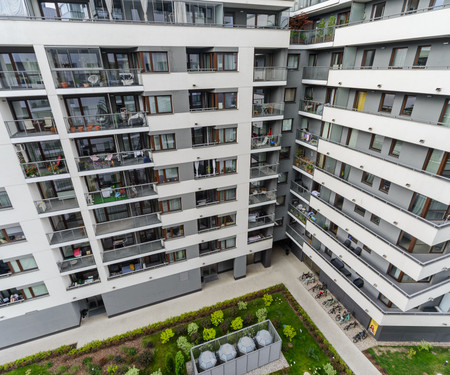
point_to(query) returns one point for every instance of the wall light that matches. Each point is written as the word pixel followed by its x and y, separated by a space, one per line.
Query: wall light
pixel 379 85
pixel 422 141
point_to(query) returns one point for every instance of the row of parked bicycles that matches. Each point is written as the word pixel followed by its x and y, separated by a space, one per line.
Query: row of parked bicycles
pixel 341 316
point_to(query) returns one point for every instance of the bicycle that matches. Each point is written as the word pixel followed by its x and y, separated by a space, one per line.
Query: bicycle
pixel 330 302
pixel 336 308
pixel 327 301
pixel 306 275
pixel 315 287
pixel 310 280
pixel 344 318
pixel 341 316
pixel 360 336
pixel 350 325
pixel 321 294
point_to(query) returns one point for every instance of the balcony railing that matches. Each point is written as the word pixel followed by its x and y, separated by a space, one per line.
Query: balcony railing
pixel 126 224
pixel 307 137
pixel 257 221
pixel 311 107
pixel 264 170
pixel 19 80
pixel 81 283
pixel 295 235
pixel 270 74
pixel 31 127
pixel 266 141
pixel 64 202
pixel 300 190
pixel 305 164
pixel 76 263
pixel 316 72
pixel 116 159
pixel 110 121
pixel 319 35
pixel 88 78
pixel 300 215
pixel 133 250
pixel 262 197
pixel 306 3
pixel 66 235
pixel 125 271
pixel 44 168
pixel 108 195
pixel 259 237
pixel 268 109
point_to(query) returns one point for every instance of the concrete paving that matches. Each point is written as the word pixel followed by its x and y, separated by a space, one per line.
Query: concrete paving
pixel 284 269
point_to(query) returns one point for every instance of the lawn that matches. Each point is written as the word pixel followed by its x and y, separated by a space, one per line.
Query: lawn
pixel 148 354
pixel 396 362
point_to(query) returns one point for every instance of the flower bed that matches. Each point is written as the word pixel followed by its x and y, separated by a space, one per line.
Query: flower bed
pixel 306 351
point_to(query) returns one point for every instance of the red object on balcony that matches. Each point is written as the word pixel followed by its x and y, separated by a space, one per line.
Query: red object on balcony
pixel 77 252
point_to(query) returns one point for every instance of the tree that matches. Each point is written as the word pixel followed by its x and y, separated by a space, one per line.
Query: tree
pixel 179 364
pixel 299 22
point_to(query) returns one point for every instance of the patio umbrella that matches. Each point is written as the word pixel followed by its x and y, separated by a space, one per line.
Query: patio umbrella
pixel 264 338
pixel 246 345
pixel 206 360
pixel 227 352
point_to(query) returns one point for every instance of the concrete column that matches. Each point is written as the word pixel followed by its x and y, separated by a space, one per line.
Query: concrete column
pixel 240 267
pixel 266 259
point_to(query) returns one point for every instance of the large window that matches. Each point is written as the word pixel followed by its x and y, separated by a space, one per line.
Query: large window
pixel 377 11
pixel 438 162
pixel 408 105
pixel 396 147
pixel 422 56
pixel 11 233
pixel 173 232
pixel 289 94
pixel 166 175
pixel 170 205
pixel 176 256
pixel 287 124
pixel 386 103
pixel 398 57
pixel 401 276
pixel 414 245
pixel 359 210
pixel 26 64
pixel 154 61
pixel 367 178
pixel 163 142
pixel 385 185
pixel 376 143
pixel 22 265
pixel 158 104
pixel 64 9
pixel 293 61
pixel 4 199
pixel 410 6
pixel 367 59
pixel 75 58
pixel 210 135
pixel 444 120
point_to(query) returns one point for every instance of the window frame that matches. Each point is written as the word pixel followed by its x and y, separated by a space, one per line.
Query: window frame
pixel 374 6
pixel 364 178
pixel 147 107
pixel 168 203
pixel 360 210
pixel 153 144
pixel 375 219
pixel 294 96
pixel 4 193
pixel 372 142
pixel 285 154
pixel 291 122
pixel 383 97
pixel 416 58
pixel 164 179
pixel 363 61
pixel 166 231
pixel 391 61
pixel 391 149
pixel 297 65
pixel 142 62
pixel 405 99
pixel 382 186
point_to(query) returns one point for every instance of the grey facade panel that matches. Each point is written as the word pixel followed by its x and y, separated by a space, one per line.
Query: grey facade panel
pixel 240 267
pixel 430 334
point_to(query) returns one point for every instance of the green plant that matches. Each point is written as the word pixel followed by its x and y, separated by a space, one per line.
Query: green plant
pixel 329 370
pixel 180 330
pixel 157 372
pixel 29 371
pixel 225 326
pixel 233 312
pixel 192 328
pixel 425 345
pixel 320 27
pixel 86 361
pixel 196 337
pixel 110 357
pixel 179 363
pixel 132 371
pixel 242 305
pixel 209 334
pixel 261 314
pixel 331 21
pixel 170 363
pixel 118 359
pixel 184 345
pixel 249 318
pixel 166 335
pixel 411 353
pixel 289 332
pixel 49 364
pixel 131 352
pixel 145 358
pixel 147 342
pixel 311 353
pixel 268 299
pixel 111 370
pixel 237 323
pixel 217 317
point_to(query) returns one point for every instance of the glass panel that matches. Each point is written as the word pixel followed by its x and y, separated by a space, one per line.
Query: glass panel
pixel 445 118
pixel 435 161
pixel 398 57
pixel 408 105
pixel 39 290
pixel 287 125
pixel 160 62
pixel 377 142
pixel 4 199
pixel 368 58
pixel 28 263
pixel 292 62
pixel 395 272
pixel 422 55
pixel 164 104
pixel 387 103
pixel 15 266
pixel 353 137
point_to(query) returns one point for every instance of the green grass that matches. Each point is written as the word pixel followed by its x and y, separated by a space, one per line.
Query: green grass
pixel 35 370
pixel 398 363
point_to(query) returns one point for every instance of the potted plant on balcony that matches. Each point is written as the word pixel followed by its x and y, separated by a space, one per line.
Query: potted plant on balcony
pixel 31 171
pixel 89 127
pixel 330 29
pixel 320 31
pixel 97 127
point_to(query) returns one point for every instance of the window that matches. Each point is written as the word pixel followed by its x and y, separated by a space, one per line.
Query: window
pixel 227 61
pixel 227 135
pixel 354 239
pixel 154 61
pixel 173 232
pixel 422 56
pixel 289 94
pixel 282 177
pixel 312 59
pixel 398 57
pixel 343 18
pixel 11 233
pixel 375 219
pixel 414 245
pixel 281 200
pixel 229 243
pixel 408 105
pixel 360 99
pixel 359 210
pixel 336 62
pixel 376 143
pixel 396 147
pixel 158 104
pixel 163 142
pixel 166 175
pixel 170 205
pixel 4 199
pixel 368 249
pixel 387 100
pixel 385 300
pixel 293 61
pixel 368 57
pixel 445 115
pixel 227 195
pixel 436 4
pixel 176 256
pixel 287 124
pixel 21 265
pixel 367 178
pixel 410 6
pixel 285 152
pixel 437 162
pixel 385 185
pixel 377 11
pixel 279 222
pixel 401 276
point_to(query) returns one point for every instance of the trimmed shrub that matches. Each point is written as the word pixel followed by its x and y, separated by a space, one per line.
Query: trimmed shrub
pixel 289 332
pixel 225 326
pixel 329 370
pixel 180 330
pixel 157 372
pixel 195 338
pixel 261 314
pixel 209 334
pixel 184 345
pixel 217 317
pixel 179 363
pixel 249 318
pixel 237 323
pixel 242 305
pixel 132 371
pixel 145 359
pixel 234 311
pixel 192 328
pixel 268 299
pixel 166 335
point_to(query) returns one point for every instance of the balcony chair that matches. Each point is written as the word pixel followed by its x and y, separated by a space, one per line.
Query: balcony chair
pixel 137 119
pixel 93 79
pixel 127 79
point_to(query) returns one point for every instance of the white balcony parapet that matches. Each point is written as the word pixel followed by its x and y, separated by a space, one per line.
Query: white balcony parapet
pixel 269 74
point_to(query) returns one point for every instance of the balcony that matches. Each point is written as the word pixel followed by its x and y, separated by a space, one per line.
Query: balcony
pixel 31 127
pixel 76 263
pixel 106 122
pixel 307 3
pixel 48 168
pixel 300 191
pixel 114 160
pixel 266 141
pixel 319 35
pixel 295 235
pixel 110 195
pixel 304 166
pixel 85 278
pixel 261 198
pixel 260 235
pixel 255 220
pixel 67 236
pixel 62 203
pixel 316 73
pixel 307 139
pixel 268 110
pixel 96 78
pixel 273 74
pixel 299 213
pixel 126 225
pixel 264 171
pixel 132 251
pixel 20 80
pixel 136 265
pixel 311 109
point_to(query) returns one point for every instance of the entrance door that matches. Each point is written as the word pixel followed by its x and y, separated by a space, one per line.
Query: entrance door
pixel 209 273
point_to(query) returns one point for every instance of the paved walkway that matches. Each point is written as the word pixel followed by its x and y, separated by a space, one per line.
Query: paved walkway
pixel 285 269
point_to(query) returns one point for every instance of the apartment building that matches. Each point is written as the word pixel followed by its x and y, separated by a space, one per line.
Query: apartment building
pixel 140 143
pixel 369 185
